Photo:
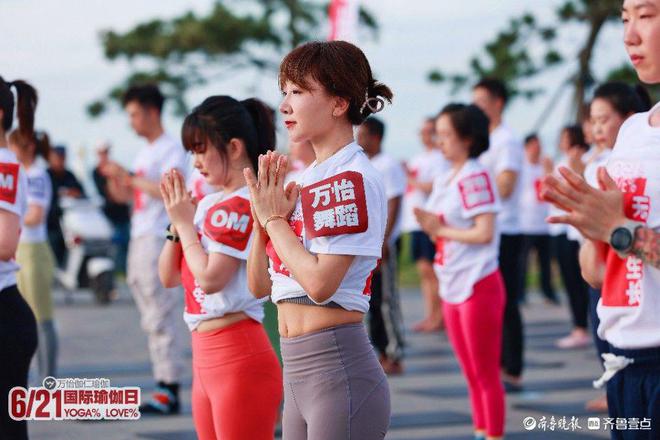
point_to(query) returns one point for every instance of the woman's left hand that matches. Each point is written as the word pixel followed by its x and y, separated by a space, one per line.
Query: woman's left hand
pixel 178 202
pixel 430 222
pixel 268 195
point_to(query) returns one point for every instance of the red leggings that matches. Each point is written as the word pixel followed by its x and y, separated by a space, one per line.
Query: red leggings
pixel 474 328
pixel 237 383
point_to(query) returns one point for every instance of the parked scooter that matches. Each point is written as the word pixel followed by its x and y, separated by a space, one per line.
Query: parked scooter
pixel 88 237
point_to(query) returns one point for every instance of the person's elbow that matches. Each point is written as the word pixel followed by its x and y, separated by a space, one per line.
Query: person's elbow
pixel 593 278
pixel 258 289
pixel 320 290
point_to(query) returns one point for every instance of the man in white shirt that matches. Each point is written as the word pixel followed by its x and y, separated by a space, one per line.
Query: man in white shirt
pixel 385 318
pixel 504 159
pixel 159 307
pixel 533 212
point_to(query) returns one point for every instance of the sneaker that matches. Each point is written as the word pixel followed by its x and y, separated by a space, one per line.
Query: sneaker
pixel 574 340
pixel 162 403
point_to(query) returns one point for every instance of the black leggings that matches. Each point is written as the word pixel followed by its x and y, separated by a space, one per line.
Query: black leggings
pixel 576 288
pixel 18 342
pixel 511 263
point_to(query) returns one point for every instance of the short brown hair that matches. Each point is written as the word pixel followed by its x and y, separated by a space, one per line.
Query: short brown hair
pixel 341 68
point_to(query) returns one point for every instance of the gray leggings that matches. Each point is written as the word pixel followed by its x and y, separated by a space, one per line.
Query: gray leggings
pixel 334 387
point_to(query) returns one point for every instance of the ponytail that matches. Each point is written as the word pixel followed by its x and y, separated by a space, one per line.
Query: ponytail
pixel 27 104
pixel 42 144
pixel 263 118
pixel 219 119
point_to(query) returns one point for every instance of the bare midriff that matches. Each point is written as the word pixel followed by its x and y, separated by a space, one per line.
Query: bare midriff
pixel 221 322
pixel 300 319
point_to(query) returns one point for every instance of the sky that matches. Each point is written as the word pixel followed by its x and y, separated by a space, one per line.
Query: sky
pixel 55 45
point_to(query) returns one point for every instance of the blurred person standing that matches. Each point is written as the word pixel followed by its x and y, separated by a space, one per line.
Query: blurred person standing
pixel 422 169
pixel 533 212
pixel 34 254
pixel 65 184
pixel 118 212
pixel 158 306
pixel 385 317
pixel 504 159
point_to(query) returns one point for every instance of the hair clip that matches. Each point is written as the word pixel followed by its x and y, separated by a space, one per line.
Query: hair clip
pixel 375 104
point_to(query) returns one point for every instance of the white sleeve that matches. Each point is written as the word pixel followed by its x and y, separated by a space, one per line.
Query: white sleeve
pixel 365 232
pixel 478 195
pixel 175 158
pixel 39 190
pixel 510 156
pixel 395 180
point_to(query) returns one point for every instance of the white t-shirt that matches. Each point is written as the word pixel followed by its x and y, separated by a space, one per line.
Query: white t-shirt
pixel 40 193
pixel 149 215
pixel 629 309
pixel 424 167
pixel 533 210
pixel 395 181
pixel 460 266
pixel 506 153
pixel 13 198
pixel 341 211
pixel 224 222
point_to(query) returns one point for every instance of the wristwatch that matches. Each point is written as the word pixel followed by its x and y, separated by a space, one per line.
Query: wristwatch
pixel 623 238
pixel 170 236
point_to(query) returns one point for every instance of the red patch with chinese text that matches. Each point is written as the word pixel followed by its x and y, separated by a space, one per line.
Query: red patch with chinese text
pixel 230 223
pixel 412 173
pixel 439 257
pixel 622 286
pixel 335 206
pixel 8 182
pixel 476 190
pixel 193 294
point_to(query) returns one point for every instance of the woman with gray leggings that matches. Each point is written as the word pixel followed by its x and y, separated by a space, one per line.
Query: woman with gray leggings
pixel 316 243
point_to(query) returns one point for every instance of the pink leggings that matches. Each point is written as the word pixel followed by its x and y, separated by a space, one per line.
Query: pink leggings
pixel 237 383
pixel 474 328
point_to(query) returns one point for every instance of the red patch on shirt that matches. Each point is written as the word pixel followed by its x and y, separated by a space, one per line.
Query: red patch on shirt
pixel 538 187
pixel 622 286
pixel 230 223
pixel 335 206
pixel 412 173
pixel 193 294
pixel 476 190
pixel 278 266
pixel 138 195
pixel 8 182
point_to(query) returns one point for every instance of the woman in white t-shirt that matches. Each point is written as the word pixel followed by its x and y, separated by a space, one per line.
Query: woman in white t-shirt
pixel 34 254
pixel 460 216
pixel 316 244
pixel 237 381
pixel 623 212
pixel 18 329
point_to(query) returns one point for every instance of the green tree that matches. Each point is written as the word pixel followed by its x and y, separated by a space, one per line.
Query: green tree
pixel 190 50
pixel 509 55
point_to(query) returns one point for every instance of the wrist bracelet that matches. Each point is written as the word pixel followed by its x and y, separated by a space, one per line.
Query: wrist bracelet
pixel 190 245
pixel 170 235
pixel 273 217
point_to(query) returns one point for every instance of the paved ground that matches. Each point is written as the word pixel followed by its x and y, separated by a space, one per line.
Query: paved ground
pixel 429 401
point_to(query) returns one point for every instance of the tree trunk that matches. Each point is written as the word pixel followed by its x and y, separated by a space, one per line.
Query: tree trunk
pixel 583 77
